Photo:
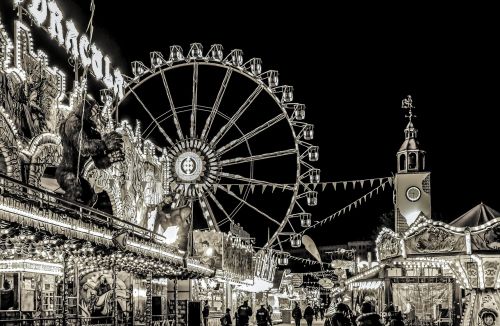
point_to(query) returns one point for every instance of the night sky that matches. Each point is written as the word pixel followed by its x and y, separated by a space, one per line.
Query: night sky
pixel 351 68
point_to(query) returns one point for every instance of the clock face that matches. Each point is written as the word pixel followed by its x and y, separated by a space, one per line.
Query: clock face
pixel 413 193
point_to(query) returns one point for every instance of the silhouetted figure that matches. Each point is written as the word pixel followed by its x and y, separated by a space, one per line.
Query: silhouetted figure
pixel 244 314
pixel 297 314
pixel 309 314
pixel 205 313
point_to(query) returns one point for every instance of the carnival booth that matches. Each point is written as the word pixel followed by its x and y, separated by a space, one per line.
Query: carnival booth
pixel 61 260
pixel 232 258
pixel 437 273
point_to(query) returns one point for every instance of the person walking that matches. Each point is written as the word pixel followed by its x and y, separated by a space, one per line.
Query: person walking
pixel 309 314
pixel 341 316
pixel 368 316
pixel 226 319
pixel 316 312
pixel 396 319
pixel 297 314
pixel 244 314
pixel 322 311
pixel 205 313
pixel 262 317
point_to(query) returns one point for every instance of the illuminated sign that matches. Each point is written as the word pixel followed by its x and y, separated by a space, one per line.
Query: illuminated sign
pixel 27 265
pixel 46 14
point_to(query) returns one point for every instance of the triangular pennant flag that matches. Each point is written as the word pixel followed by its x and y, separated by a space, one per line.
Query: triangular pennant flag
pixel 252 188
pixel 215 189
pixel 355 204
pixel 390 181
pixel 334 185
pixel 264 188
pixel 364 197
pixel 314 186
pixel 283 187
pixel 274 187
pixel 380 180
pixel 349 207
pixel 362 182
pixel 383 186
pixel 371 194
pixel 323 186
pixel 377 189
pixel 353 184
pixel 345 185
pixel 242 187
pixel 229 187
pixel 371 182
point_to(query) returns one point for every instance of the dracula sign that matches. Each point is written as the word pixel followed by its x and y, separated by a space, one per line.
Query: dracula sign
pixel 47 15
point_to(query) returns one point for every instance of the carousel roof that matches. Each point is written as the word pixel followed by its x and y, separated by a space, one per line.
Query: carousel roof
pixel 478 215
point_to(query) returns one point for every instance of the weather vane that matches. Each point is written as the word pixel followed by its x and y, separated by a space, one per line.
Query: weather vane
pixel 407 103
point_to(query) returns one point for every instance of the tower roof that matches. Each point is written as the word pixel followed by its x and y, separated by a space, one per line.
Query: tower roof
pixel 410 143
pixel 478 215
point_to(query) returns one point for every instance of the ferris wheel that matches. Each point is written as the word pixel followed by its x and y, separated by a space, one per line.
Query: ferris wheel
pixel 238 148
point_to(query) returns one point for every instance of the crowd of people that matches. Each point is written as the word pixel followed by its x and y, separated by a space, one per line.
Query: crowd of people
pixel 243 314
pixel 344 316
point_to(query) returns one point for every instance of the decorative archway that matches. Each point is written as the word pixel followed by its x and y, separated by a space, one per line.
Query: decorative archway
pixel 46 150
pixel 8 147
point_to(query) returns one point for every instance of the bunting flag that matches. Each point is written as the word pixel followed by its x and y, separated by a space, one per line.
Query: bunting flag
pixel 324 185
pixel 354 204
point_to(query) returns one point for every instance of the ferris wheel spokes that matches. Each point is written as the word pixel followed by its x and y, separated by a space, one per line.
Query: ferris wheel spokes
pixel 192 130
pixel 215 107
pixel 167 138
pixel 250 134
pixel 253 158
pixel 254 181
pixel 232 194
pixel 172 107
pixel 207 212
pixel 219 206
pixel 236 116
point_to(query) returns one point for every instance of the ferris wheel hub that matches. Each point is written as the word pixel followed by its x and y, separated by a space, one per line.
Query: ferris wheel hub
pixel 189 166
pixel 194 166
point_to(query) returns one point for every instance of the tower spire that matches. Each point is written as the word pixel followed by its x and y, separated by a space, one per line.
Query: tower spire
pixel 407 104
pixel 410 157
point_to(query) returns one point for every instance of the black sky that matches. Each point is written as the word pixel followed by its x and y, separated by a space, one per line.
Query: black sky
pixel 351 67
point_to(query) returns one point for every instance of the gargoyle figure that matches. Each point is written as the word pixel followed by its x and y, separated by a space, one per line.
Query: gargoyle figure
pixel 81 140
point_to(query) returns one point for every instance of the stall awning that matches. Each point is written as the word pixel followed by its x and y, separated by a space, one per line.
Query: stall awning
pixel 478 215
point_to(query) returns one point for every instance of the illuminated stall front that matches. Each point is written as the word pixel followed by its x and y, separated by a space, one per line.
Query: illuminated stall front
pixel 232 258
pixel 437 272
pixel 64 261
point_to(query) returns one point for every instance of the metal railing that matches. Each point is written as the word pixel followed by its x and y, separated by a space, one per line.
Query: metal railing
pixel 46 200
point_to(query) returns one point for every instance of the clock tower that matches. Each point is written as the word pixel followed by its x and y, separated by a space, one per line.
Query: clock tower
pixel 412 184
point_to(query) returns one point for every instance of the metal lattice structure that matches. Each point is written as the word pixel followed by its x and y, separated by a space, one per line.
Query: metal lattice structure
pixel 203 138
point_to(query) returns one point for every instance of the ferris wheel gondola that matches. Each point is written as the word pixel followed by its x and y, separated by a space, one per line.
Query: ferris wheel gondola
pixel 211 145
